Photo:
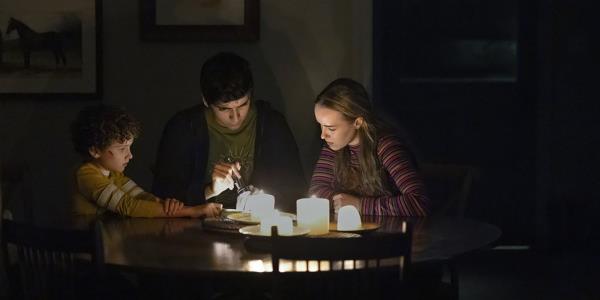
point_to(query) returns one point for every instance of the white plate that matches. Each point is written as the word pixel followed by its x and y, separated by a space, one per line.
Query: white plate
pixel 228 211
pixel 364 228
pixel 254 230
pixel 246 218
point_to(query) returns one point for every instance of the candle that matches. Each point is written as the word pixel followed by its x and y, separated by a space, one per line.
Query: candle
pixel 283 223
pixel 313 213
pixel 348 218
pixel 260 205
pixel 241 201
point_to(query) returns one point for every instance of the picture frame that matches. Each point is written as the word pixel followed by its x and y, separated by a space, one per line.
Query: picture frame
pixel 200 21
pixel 51 49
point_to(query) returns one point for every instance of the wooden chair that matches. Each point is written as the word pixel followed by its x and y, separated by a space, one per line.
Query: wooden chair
pixel 3 279
pixel 368 267
pixel 44 263
pixel 449 187
pixel 16 191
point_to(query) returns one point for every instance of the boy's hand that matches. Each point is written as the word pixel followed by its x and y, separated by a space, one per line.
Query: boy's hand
pixel 207 210
pixel 222 178
pixel 172 205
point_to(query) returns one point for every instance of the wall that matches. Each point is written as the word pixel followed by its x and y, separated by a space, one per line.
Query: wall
pixel 304 44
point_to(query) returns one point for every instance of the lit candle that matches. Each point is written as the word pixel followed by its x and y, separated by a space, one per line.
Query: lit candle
pixel 313 213
pixel 260 205
pixel 283 223
pixel 348 218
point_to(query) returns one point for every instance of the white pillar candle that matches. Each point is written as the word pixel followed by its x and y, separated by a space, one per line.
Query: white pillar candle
pixel 348 218
pixel 313 213
pixel 283 223
pixel 241 201
pixel 260 205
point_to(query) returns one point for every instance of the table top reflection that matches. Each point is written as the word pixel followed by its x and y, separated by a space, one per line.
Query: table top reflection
pixel 183 245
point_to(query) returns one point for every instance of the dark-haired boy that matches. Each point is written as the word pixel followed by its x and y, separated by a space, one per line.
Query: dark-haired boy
pixel 103 135
pixel 229 135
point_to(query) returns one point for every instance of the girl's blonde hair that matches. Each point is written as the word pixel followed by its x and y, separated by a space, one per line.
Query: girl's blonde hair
pixel 352 100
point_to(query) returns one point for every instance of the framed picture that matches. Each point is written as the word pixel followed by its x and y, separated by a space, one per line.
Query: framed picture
pixel 50 48
pixel 200 21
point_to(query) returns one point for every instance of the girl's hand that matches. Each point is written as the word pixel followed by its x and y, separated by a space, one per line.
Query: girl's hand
pixel 343 199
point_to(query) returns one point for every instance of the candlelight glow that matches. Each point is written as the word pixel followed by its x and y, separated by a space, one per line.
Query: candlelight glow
pixel 348 264
pixel 300 266
pixel 286 265
pixel 256 266
pixel 313 213
pixel 283 223
pixel 313 265
pixel 348 218
pixel 260 206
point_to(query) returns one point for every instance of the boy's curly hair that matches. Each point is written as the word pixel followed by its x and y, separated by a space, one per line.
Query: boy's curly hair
pixel 101 125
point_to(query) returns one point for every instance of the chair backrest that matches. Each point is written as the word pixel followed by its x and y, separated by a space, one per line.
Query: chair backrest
pixel 45 263
pixel 449 187
pixel 16 192
pixel 371 266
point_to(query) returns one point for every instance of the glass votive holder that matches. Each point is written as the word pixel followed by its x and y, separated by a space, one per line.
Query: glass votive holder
pixel 348 218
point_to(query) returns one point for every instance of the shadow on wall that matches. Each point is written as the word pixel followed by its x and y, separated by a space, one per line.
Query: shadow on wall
pixel 281 79
pixel 37 138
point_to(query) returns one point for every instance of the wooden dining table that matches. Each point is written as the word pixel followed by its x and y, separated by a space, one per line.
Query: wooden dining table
pixel 188 245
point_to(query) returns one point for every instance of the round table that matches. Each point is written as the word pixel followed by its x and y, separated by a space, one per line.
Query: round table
pixel 183 245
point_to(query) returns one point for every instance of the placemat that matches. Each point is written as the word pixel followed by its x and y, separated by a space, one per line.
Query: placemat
pixel 222 224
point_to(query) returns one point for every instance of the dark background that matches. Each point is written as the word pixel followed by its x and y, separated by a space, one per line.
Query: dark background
pixel 508 87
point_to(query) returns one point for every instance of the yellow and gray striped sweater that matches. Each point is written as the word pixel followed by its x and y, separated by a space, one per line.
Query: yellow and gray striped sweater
pixel 94 193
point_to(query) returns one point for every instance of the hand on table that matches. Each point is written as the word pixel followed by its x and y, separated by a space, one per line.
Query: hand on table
pixel 171 206
pixel 210 209
pixel 343 199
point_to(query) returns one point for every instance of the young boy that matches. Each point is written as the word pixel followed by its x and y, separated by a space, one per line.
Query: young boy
pixel 103 135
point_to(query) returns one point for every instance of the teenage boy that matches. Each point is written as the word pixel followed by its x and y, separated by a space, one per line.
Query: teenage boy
pixel 230 135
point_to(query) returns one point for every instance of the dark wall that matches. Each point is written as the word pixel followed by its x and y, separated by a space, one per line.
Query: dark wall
pixel 568 96
pixel 504 86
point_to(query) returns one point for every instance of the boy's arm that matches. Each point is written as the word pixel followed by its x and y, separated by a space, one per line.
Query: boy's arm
pixel 125 199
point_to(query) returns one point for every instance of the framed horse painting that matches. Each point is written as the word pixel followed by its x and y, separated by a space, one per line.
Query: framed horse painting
pixel 200 21
pixel 50 48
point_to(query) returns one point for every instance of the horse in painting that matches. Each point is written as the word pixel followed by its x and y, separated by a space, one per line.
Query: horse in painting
pixel 31 41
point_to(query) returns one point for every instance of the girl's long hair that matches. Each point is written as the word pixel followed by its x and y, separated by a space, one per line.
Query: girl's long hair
pixel 351 99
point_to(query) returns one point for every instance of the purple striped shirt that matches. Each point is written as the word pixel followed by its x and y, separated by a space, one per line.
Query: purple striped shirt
pixel 409 199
